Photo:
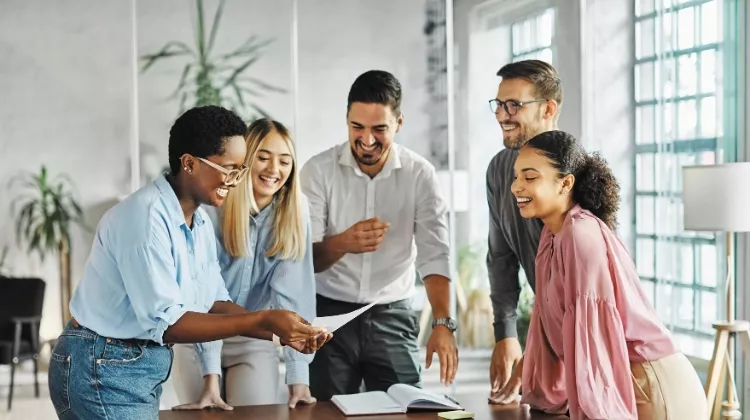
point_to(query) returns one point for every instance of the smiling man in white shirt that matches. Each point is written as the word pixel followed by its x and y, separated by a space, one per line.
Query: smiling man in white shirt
pixel 377 216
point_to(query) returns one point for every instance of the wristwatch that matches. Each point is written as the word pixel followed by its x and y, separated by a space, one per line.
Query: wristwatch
pixel 448 322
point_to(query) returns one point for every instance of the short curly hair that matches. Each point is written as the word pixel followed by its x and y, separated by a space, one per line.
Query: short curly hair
pixel 201 132
pixel 596 188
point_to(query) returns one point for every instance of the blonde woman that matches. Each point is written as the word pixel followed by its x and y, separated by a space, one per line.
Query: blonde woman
pixel 265 254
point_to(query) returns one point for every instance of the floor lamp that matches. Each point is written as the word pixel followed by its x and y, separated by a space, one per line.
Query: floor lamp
pixel 716 198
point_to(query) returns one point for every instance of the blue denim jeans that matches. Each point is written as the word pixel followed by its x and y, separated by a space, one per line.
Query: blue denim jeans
pixel 93 377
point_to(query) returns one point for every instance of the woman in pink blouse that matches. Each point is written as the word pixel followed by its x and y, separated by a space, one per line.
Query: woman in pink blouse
pixel 596 346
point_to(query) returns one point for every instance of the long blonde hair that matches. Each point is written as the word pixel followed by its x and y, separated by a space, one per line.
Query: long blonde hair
pixel 288 226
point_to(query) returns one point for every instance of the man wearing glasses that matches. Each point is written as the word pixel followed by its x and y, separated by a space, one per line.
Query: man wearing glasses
pixel 528 102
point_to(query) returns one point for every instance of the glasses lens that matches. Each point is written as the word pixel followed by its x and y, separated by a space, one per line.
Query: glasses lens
pixel 511 107
pixel 493 106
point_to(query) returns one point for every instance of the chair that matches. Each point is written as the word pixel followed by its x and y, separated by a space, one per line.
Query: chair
pixel 21 303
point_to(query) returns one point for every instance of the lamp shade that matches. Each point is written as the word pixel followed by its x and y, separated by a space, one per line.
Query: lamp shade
pixel 717 197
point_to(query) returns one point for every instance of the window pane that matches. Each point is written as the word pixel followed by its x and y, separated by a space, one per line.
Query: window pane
pixel 668 38
pixel 686 309
pixel 707 265
pixel 664 302
pixel 644 257
pixel 644 124
pixel 644 38
pixel 665 259
pixel 666 216
pixel 546 55
pixel 686 28
pixel 644 216
pixel 643 7
pixel 516 39
pixel 688 74
pixel 644 171
pixel 708 71
pixel 546 22
pixel 644 79
pixel 666 173
pixel 667 79
pixel 667 117
pixel 687 116
pixel 708 117
pixel 709 23
pixel 685 266
pixel 708 310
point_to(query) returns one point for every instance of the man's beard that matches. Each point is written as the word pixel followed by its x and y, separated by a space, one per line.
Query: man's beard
pixel 369 158
pixel 525 133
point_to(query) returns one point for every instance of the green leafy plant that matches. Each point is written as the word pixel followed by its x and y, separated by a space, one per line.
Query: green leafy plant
pixel 46 212
pixel 209 78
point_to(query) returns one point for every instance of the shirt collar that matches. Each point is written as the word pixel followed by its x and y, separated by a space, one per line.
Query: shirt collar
pixel 346 158
pixel 173 204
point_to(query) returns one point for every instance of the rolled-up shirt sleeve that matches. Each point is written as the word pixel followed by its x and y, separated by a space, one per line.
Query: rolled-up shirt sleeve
pixel 149 275
pixel 431 227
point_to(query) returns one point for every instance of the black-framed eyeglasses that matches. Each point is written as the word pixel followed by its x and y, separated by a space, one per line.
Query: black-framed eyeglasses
pixel 511 106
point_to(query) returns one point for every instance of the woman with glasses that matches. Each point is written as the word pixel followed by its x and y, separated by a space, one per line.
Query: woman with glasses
pixel 152 279
pixel 265 252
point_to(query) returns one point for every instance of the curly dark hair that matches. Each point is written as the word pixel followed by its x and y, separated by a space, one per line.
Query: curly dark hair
pixel 201 132
pixel 376 86
pixel 595 188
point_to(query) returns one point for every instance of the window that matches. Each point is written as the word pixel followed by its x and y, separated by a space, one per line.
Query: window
pixel 532 38
pixel 677 122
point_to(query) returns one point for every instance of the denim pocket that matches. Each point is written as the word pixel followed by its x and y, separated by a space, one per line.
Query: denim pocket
pixel 59 381
pixel 120 352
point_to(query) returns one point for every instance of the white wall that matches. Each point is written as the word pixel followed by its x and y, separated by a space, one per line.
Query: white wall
pixel 65 83
pixel 338 40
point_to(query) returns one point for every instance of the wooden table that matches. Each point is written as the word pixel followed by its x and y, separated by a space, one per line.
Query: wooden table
pixel 327 411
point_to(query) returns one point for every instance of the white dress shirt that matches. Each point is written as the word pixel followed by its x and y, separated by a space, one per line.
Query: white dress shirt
pixel 406 194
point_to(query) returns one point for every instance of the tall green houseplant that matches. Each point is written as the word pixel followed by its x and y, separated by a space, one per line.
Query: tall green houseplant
pixel 210 78
pixel 46 212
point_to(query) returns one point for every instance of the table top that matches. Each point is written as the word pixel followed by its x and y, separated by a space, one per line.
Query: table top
pixel 326 410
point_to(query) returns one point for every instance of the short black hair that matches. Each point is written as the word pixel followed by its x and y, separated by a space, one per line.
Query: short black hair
pixel 596 188
pixel 376 86
pixel 201 132
pixel 542 74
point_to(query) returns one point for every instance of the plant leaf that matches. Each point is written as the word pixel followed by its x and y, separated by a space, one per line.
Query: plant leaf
pixel 215 26
pixel 264 85
pixel 200 32
pixel 240 69
pixel 170 49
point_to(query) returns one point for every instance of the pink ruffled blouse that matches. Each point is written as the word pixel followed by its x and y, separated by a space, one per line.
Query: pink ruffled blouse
pixel 591 319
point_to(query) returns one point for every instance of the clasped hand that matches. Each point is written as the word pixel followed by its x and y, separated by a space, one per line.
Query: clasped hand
pixel 296 332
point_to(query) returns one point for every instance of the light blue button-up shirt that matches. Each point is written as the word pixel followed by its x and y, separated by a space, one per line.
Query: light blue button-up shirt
pixel 147 268
pixel 257 282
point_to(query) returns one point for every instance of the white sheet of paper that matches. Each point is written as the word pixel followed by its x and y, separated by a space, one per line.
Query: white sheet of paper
pixel 334 322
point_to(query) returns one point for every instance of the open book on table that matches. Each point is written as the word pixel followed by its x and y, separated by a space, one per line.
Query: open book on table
pixel 400 398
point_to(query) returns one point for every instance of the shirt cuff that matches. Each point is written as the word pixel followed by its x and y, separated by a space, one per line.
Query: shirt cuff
pixel 167 319
pixel 209 356
pixel 441 268
pixel 505 329
pixel 297 372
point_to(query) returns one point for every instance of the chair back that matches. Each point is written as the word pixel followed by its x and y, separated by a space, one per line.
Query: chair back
pixel 19 297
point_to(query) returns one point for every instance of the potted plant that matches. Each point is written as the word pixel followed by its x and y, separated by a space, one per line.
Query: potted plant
pixel 45 213
pixel 210 78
